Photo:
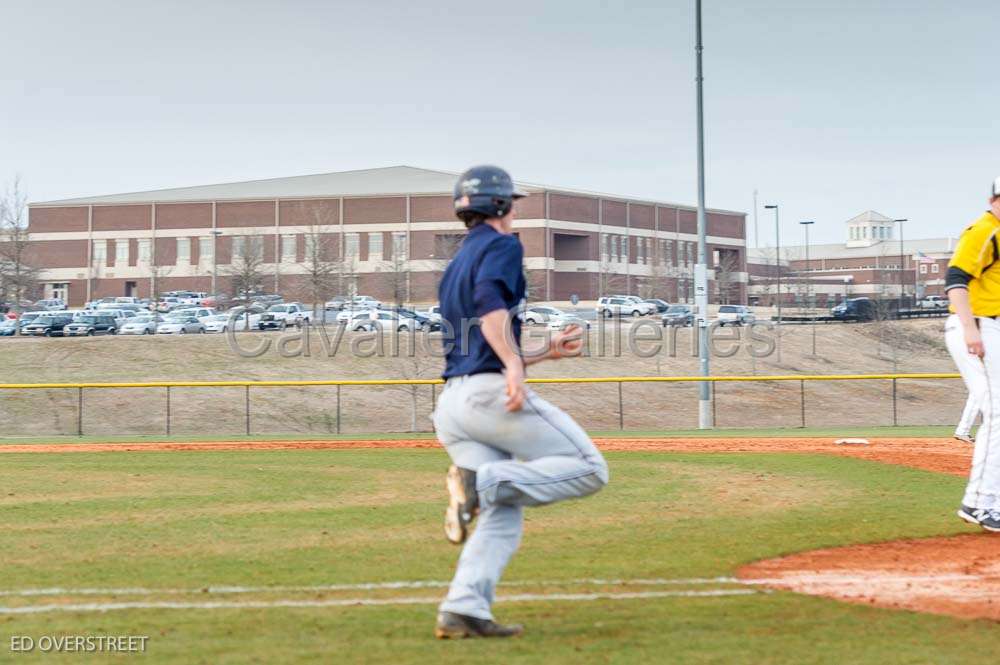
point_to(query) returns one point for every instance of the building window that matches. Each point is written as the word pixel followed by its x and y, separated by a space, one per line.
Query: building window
pixel 668 253
pixel 121 252
pixel 625 243
pixel 399 252
pixel 614 249
pixel 351 245
pixel 288 248
pixel 206 251
pixel 603 242
pixel 183 250
pixel 923 269
pixel 239 243
pixel 935 268
pixel 243 247
pixel 374 246
pixel 145 250
pixel 100 252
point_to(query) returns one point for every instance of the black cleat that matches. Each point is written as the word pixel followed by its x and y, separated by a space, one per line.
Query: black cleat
pixel 458 626
pixel 970 515
pixel 989 520
pixel 463 504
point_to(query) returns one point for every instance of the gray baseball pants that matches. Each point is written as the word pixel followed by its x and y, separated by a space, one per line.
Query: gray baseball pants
pixel 532 457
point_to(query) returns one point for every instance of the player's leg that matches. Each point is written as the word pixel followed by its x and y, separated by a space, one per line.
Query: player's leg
pixel 983 490
pixel 973 374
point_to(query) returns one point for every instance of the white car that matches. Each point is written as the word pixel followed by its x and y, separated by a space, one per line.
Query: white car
pixel 285 314
pixel 538 315
pixel 365 301
pixel 348 313
pixel 433 313
pixel 180 325
pixel 621 306
pixel 200 313
pixel 645 307
pixel 121 315
pixel 242 320
pixel 51 305
pixel 735 315
pixel 143 324
pixel 934 302
pixel 382 320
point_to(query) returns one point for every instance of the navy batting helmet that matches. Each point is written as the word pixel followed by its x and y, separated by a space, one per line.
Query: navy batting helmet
pixel 485 191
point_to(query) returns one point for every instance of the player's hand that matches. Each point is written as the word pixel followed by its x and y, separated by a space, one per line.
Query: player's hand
pixel 974 341
pixel 567 343
pixel 515 387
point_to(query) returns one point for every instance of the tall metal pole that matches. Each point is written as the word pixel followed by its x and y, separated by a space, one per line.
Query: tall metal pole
pixel 777 268
pixel 901 259
pixel 756 234
pixel 700 270
pixel 809 298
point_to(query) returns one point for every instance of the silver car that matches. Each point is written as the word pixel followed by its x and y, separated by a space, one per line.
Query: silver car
pixel 180 325
pixel 144 324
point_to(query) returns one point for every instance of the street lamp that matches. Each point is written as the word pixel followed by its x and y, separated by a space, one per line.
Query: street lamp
pixel 806 225
pixel 777 266
pixel 901 290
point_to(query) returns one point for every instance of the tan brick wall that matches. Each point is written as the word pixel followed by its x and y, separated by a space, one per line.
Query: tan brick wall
pixel 51 220
pixel 183 215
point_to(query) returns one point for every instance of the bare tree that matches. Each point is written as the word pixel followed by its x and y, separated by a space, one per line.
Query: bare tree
pixel 323 265
pixel 398 271
pixel 246 268
pixel 413 365
pixel 18 276
pixel 726 270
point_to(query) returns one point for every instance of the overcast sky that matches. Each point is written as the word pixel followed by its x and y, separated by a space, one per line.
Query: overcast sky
pixel 829 108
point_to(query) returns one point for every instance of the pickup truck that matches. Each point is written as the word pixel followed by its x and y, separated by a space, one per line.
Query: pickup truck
pixel 283 315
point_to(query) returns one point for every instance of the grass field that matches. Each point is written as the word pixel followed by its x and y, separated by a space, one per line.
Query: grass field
pixel 153 528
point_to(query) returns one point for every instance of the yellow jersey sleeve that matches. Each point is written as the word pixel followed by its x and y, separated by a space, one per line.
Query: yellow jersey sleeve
pixel 976 248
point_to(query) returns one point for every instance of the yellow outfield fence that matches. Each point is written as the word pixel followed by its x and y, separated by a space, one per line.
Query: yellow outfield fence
pixel 339 383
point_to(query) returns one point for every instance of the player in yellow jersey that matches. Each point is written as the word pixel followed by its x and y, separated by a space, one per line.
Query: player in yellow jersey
pixel 972 334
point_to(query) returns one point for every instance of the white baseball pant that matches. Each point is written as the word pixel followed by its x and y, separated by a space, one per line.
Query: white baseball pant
pixel 982 378
pixel 532 457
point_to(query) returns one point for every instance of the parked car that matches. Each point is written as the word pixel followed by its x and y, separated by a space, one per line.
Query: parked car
pixel 567 319
pixel 644 307
pixel 284 315
pixel 91 324
pixel 200 313
pixel 735 315
pixel 51 304
pixel 48 325
pixel 660 306
pixel 8 327
pixel 180 325
pixel 538 314
pixel 856 309
pixel 120 315
pixel 365 301
pixel 434 313
pixel 350 311
pixel 246 317
pixel 621 306
pixel 28 317
pixel 678 315
pixel 142 324
pixel 337 302
pixel 934 302
pixel 382 320
pixel 423 322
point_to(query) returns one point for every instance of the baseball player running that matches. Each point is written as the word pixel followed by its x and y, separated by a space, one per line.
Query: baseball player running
pixel 972 334
pixel 509 447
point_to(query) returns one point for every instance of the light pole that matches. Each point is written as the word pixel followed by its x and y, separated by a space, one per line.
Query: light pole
pixel 777 266
pixel 700 269
pixel 806 225
pixel 901 289
pixel 215 258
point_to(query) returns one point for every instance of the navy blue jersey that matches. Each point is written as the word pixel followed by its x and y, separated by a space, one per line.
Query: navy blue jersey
pixel 484 276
